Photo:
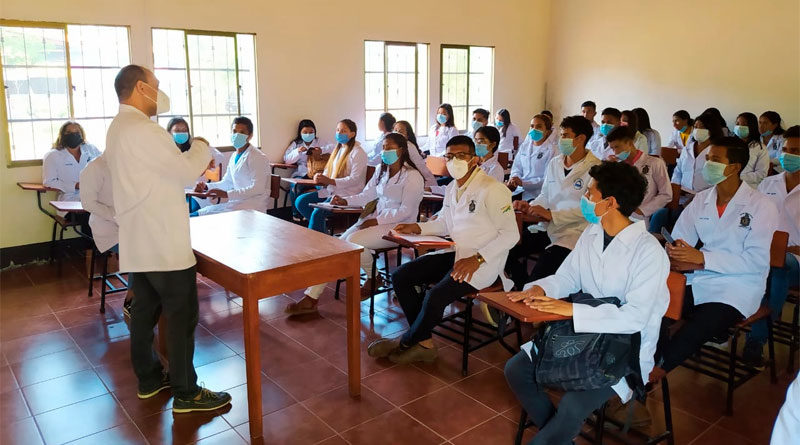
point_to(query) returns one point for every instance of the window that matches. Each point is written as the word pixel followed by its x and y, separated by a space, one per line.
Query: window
pixel 396 81
pixel 53 72
pixel 467 76
pixel 210 78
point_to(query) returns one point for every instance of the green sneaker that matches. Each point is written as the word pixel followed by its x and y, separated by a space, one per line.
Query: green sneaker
pixel 205 400
pixel 382 348
pixel 152 390
pixel 416 353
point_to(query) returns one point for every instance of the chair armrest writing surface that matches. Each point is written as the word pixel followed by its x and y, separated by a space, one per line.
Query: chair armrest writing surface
pixel 518 310
pixel 190 192
pixel 299 181
pixel 283 165
pixel 415 241
pixel 68 206
pixel 36 187
pixel 347 210
pixel 432 197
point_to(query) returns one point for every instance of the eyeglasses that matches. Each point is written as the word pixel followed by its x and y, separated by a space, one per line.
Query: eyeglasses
pixel 460 156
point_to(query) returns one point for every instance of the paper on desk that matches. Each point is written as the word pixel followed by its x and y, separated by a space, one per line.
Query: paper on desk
pixel 422 239
pixel 338 207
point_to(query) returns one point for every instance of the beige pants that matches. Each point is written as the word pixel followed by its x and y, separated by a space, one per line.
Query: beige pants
pixel 371 239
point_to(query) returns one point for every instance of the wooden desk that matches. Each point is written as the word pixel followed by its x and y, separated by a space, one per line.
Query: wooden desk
pixel 68 206
pixel 518 310
pixel 239 251
pixel 274 165
pixel 36 187
pixel 299 181
pixel 432 197
pixel 344 210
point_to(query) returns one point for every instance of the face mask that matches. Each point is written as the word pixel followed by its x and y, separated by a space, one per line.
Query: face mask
pixel 700 134
pixel 342 138
pixel 499 124
pixel 536 135
pixel 587 209
pixel 714 172
pixel 742 131
pixel 481 150
pixel 606 128
pixel 790 162
pixel 162 100
pixel 766 133
pixel 441 118
pixel 476 125
pixel 457 168
pixel 308 137
pixel 180 138
pixel 389 157
pixel 72 140
pixel 684 128
pixel 623 156
pixel 238 140
pixel 565 147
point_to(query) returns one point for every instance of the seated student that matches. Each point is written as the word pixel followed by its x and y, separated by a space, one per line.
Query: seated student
pixel 682 125
pixel 509 133
pixel 298 150
pixel 735 224
pixel 721 120
pixel 659 190
pixel 653 137
pixel 441 131
pixel 757 169
pixel 610 118
pixel 487 141
pixel 589 111
pixel 179 129
pixel 385 125
pixel 784 191
pixel 477 215
pixel 246 181
pixel 480 118
pixel 530 163
pixel 344 175
pixel 397 187
pixel 628 118
pixel 769 126
pixel 414 153
pixel 614 257
pixel 557 206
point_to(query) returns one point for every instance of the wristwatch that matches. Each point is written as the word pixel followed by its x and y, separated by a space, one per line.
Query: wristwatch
pixel 480 258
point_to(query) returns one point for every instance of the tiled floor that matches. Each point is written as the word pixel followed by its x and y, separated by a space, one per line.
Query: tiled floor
pixel 65 377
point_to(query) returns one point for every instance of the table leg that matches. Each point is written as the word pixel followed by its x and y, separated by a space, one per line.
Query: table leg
pixel 354 331
pixel 252 355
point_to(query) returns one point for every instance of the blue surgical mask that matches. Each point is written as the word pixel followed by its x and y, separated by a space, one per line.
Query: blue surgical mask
pixel 180 138
pixel 714 172
pixel 606 128
pixel 588 210
pixel 476 125
pixel 684 128
pixel 441 118
pixel 499 124
pixel 481 150
pixel 342 138
pixel 238 140
pixel 766 133
pixel 623 156
pixel 565 146
pixel 308 137
pixel 389 157
pixel 742 131
pixel 536 135
pixel 789 162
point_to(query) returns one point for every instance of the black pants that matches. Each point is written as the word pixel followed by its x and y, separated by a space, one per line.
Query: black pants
pixel 424 310
pixel 174 293
pixel 703 322
pixel 515 263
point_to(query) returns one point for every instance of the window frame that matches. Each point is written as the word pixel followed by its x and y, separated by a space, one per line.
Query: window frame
pixel 4 133
pixel 444 46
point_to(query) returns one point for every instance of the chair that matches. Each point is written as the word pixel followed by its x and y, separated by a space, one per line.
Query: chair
pixel 502 159
pixel 284 213
pixel 669 155
pixel 375 271
pixel 106 286
pixel 214 174
pixel 370 172
pixel 788 332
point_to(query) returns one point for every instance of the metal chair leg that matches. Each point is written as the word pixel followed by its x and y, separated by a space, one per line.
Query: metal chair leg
pixel 53 242
pixel 599 427
pixel 731 373
pixel 91 271
pixel 771 348
pixel 336 294
pixel 103 285
pixel 523 420
pixel 465 344
pixel 667 411
pixel 372 285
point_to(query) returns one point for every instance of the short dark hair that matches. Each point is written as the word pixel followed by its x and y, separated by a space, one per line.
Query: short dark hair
pixel 623 182
pixel 492 134
pixel 244 121
pixel 126 80
pixel 175 121
pixel 792 132
pixel 388 121
pixel 611 111
pixel 620 133
pixel 462 140
pixel 579 125
pixel 589 103
pixel 736 149
pixel 483 112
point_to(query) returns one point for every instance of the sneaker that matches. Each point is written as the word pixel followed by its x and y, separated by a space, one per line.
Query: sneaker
pixel 307 305
pixel 126 308
pixel 753 354
pixel 382 348
pixel 205 400
pixel 147 392
pixel 416 353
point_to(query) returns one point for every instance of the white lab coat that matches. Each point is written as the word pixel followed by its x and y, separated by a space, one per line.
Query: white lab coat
pixel 530 164
pixel 788 205
pixel 374 155
pixel 98 199
pixel 640 142
pixel 416 157
pixel 688 172
pixel 600 148
pixel 493 168
pixel 481 221
pixel 633 268
pixel 293 155
pixel 247 183
pixel 438 137
pixel 398 197
pixel 735 246
pixel 659 190
pixel 148 175
pixel 675 140
pixel 507 142
pixel 356 171
pixel 561 194
pixel 775 147
pixel 757 167
pixel 61 171
pixel 653 142
pixel 787 424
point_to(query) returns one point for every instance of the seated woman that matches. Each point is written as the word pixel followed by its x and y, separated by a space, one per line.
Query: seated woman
pixel 487 141
pixel 757 168
pixel 529 165
pixel 509 133
pixel 635 270
pixel 344 175
pixel 414 153
pixel 297 153
pixel 391 197
pixel 179 129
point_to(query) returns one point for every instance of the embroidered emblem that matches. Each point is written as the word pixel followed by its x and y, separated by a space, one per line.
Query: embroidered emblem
pixel 646 169
pixel 539 156
pixel 745 220
pixel 506 209
pixel 472 206
pixel 578 184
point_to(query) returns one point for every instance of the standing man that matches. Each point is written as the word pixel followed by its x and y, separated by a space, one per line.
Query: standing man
pixel 148 176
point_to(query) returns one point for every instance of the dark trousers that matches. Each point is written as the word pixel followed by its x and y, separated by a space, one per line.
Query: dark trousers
pixel 703 323
pixel 515 263
pixel 556 425
pixel 424 310
pixel 175 294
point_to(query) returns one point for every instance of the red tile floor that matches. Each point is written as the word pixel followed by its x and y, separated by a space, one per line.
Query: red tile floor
pixel 65 377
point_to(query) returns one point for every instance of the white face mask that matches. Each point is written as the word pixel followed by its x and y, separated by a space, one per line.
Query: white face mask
pixel 457 168
pixel 700 134
pixel 162 100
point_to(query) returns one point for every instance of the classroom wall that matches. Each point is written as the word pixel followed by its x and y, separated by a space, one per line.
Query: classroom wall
pixel 310 58
pixel 737 55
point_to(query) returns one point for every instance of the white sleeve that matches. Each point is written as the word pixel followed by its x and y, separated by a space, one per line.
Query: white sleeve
pixel 409 203
pixel 165 159
pixel 787 425
pixel 498 205
pixel 292 155
pixel 358 170
pixel 757 167
pixel 663 189
pixel 567 279
pixel 90 192
pixel 756 245
pixel 677 174
pixel 369 193
pixel 50 174
pixel 416 158
pixel 226 183
pixel 260 181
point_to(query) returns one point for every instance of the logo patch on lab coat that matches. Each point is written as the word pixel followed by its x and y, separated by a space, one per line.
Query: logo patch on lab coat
pixel 539 156
pixel 472 206
pixel 646 169
pixel 578 184
pixel 745 220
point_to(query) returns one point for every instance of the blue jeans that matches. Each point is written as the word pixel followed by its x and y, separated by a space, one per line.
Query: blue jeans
pixel 664 218
pixel 778 283
pixel 316 217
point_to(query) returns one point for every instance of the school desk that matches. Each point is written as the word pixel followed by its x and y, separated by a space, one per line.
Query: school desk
pixel 299 181
pixel 68 206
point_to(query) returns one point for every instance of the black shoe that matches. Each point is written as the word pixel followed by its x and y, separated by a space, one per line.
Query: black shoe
pixel 752 354
pixel 204 401
pixel 152 390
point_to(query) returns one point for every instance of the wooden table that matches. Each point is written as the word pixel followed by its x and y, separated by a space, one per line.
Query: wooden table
pixel 68 206
pixel 258 256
